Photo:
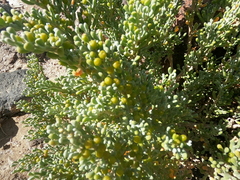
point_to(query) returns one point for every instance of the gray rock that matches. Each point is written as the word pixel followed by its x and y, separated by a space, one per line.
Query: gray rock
pixel 11 91
pixel 6 7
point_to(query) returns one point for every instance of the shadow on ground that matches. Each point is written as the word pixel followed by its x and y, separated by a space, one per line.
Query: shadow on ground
pixel 8 129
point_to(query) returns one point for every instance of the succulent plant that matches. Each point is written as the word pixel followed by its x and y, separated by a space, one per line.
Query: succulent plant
pixel 145 97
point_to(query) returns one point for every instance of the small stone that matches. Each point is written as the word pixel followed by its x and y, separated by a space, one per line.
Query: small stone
pixel 11 91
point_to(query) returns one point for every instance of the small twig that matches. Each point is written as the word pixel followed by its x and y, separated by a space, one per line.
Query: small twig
pixel 170 59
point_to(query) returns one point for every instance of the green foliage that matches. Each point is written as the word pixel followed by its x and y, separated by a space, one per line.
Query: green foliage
pixel 122 111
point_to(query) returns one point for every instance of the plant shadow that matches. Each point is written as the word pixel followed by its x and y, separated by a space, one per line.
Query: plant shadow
pixel 8 129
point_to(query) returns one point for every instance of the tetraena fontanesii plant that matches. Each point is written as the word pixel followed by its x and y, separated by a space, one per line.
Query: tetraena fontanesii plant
pixel 147 95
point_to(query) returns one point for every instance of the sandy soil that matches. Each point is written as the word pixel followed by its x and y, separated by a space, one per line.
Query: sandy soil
pixel 13 146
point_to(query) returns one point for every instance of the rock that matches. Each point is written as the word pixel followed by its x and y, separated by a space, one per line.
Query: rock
pixel 11 91
pixel 6 7
pixel 36 142
pixel 10 60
